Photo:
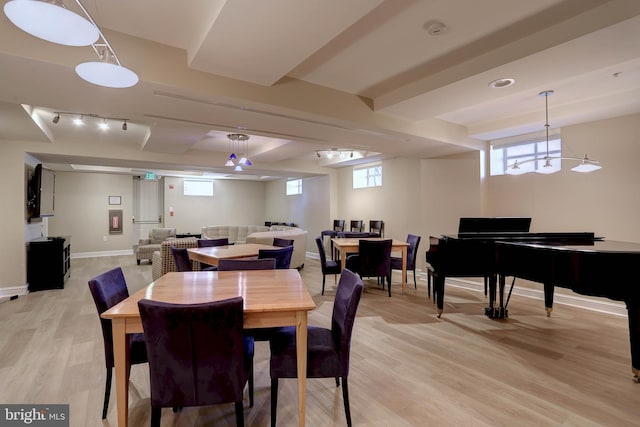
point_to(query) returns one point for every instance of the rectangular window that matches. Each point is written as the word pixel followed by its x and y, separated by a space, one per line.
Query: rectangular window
pixel 198 188
pixel 294 186
pixel 369 176
pixel 529 154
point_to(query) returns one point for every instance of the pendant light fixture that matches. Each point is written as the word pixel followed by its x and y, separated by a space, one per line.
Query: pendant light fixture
pixel 238 143
pixel 550 165
pixel 50 20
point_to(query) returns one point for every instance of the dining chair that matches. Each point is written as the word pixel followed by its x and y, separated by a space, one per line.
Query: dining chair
pixel 327 266
pixel 282 243
pixel 210 243
pixel 198 354
pixel 372 260
pixel 281 255
pixel 327 349
pixel 357 225
pixel 207 243
pixel 258 334
pixel 376 226
pixel 181 258
pixel 107 290
pixel 412 253
pixel 246 264
pixel 338 225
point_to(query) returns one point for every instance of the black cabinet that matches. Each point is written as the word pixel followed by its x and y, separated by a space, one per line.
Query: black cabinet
pixel 48 263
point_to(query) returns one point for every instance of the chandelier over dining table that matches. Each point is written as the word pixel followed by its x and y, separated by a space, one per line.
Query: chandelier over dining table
pixel 238 151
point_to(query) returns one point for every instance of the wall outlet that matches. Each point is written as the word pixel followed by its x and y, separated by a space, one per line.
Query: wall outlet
pixel 104 238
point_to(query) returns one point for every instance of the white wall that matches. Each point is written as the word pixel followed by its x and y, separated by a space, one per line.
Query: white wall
pixel 82 211
pixel 233 203
pixel 606 202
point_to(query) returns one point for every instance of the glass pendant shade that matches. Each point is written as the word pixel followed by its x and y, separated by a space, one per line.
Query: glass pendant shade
pixel 586 166
pixel 50 21
pixel 107 74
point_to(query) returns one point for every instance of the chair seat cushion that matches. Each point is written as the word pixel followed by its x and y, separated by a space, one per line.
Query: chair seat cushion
pixel 322 356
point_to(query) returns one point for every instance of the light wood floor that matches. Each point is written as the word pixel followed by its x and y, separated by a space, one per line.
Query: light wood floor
pixel 408 368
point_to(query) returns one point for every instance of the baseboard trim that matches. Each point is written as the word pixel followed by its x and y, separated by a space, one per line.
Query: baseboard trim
pixel 101 253
pixel 13 291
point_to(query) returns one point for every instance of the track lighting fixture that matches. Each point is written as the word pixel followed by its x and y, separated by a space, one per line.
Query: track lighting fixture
pixel 337 153
pixel 103 122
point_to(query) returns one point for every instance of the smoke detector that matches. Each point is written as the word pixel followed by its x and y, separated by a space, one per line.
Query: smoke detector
pixel 435 28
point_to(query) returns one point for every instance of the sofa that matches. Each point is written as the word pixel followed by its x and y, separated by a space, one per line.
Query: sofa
pixel 146 247
pixel 162 261
pixel 298 235
pixel 237 234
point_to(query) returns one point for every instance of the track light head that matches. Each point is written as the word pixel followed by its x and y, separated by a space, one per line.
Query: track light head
pixel 56 119
pixel 124 125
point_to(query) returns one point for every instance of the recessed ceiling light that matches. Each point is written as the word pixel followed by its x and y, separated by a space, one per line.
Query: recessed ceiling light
pixel 435 28
pixel 500 83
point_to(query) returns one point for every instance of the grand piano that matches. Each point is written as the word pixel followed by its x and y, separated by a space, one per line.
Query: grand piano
pixel 495 248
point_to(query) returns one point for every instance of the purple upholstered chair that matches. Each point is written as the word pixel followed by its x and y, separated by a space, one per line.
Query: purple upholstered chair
pixel 282 256
pixel 372 260
pixel 412 253
pixel 327 266
pixel 246 264
pixel 181 258
pixel 107 290
pixel 327 349
pixel 207 243
pixel 282 243
pixel 198 354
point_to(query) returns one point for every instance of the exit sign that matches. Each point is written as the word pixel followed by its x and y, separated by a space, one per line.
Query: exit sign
pixel 150 176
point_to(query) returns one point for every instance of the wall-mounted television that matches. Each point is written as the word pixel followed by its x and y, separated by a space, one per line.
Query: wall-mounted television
pixel 41 192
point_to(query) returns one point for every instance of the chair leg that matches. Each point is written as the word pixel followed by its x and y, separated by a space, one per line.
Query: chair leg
pixel 156 413
pixel 337 381
pixel 345 397
pixel 323 277
pixel 485 285
pixel 415 284
pixel 251 387
pixel 274 400
pixel 107 392
pixel 239 414
pixel 388 280
pixel 428 284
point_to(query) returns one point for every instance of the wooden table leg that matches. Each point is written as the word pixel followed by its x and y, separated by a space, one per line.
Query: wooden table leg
pixel 301 353
pixel 121 356
pixel 404 268
pixel 343 258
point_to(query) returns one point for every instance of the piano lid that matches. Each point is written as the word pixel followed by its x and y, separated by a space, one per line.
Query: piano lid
pixel 494 225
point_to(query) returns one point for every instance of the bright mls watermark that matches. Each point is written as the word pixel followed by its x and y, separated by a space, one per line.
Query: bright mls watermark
pixel 34 415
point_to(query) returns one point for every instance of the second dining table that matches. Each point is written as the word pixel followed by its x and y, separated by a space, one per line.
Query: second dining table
pixel 349 245
pixel 212 254
pixel 271 298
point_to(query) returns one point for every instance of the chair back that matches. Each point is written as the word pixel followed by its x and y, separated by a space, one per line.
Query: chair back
pixel 282 243
pixel 412 250
pixel 207 243
pixel 282 256
pixel 376 226
pixel 346 303
pixel 323 255
pixel 375 258
pixel 338 225
pixel 357 225
pixel 246 264
pixel 107 290
pixel 354 234
pixel 196 352
pixel 181 258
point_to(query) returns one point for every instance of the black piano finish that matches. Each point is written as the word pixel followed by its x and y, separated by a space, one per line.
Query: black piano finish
pixel 578 261
pixel 602 269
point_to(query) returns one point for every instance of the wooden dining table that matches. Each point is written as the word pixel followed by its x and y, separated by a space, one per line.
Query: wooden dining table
pixel 271 298
pixel 211 255
pixel 345 246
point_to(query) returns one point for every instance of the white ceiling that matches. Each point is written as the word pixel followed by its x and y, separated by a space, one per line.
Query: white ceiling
pixel 299 76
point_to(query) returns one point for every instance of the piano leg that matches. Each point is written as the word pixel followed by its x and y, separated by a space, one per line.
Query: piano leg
pixel 548 298
pixel 633 313
pixel 492 311
pixel 438 292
